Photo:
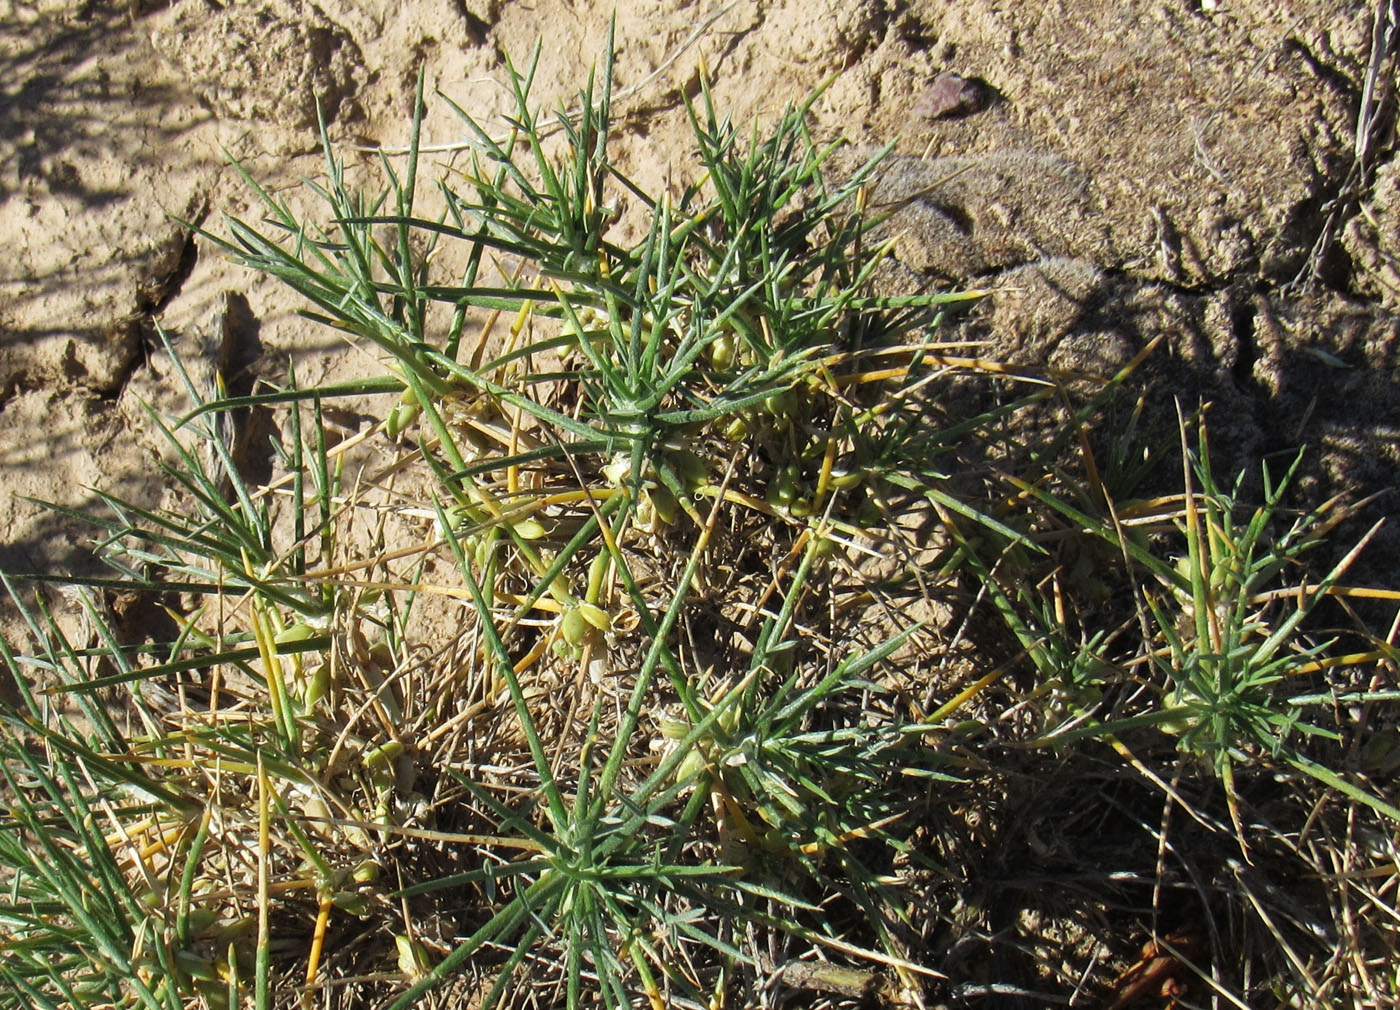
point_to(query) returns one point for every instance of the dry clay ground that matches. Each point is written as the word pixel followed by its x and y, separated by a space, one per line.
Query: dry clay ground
pixel 1191 169
pixel 1140 169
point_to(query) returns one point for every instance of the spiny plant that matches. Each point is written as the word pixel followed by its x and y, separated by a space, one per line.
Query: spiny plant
pixel 1231 672
pixel 1224 629
pixel 75 913
pixel 298 762
pixel 1191 635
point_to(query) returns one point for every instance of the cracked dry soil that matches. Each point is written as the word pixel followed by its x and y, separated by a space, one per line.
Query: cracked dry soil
pixel 1142 169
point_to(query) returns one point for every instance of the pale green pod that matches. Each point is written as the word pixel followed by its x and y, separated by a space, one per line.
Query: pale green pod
pixel 201 919
pixel 400 417
pixel 596 616
pixel 365 872
pixel 843 480
pixel 573 626
pixel 664 502
pixel 618 470
pixel 597 571
pixel 782 405
pixel 353 903
pixel 298 632
pixel 692 765
pixel 235 929
pixel 316 688
pixel 482 547
pixel 721 351
pixel 529 529
pixel 383 756
pixel 413 959
pixel 196 967
pixel 690 468
pixel 215 994
pixel 784 487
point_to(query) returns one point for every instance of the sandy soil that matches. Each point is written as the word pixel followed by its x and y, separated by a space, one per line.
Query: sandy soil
pixel 1122 171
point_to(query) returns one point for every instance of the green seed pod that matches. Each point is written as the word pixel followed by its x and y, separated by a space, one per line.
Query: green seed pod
pixel 528 529
pixel 573 626
pixel 463 516
pixel 690 468
pixel 353 903
pixel 383 756
pixel 722 351
pixel 235 929
pixel 482 549
pixel 664 502
pixel 597 571
pixel 316 687
pixel 691 765
pixel 399 419
pixel 201 919
pixel 365 872
pixel 595 615
pixel 215 994
pixel 782 405
pixel 413 959
pixel 298 632
pixel 774 843
pixel 783 489
pixel 736 430
pixel 843 480
pixel 618 470
pixel 200 968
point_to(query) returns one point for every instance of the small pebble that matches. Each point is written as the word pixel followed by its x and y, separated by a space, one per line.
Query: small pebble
pixel 951 95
